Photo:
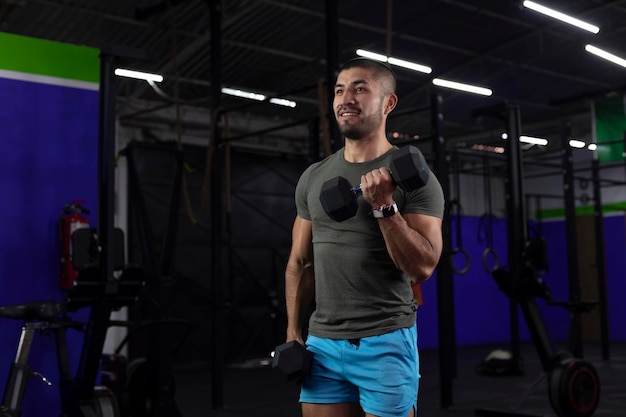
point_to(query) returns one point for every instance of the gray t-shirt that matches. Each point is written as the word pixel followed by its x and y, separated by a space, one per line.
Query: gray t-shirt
pixel 359 292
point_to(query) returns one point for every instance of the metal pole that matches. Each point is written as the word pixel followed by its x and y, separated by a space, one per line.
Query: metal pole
pixel 217 377
pixel 332 64
pixel 571 238
pixel 99 316
pixel 600 258
pixel 445 275
pixel 516 221
pixel 314 140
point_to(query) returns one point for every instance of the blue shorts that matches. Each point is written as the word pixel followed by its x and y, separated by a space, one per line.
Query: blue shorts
pixel 379 372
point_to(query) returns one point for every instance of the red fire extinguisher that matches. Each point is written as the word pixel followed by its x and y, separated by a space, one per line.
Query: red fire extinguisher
pixel 71 219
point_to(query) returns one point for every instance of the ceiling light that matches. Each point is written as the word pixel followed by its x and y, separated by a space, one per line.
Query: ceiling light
pixel 592 147
pixel 243 94
pixel 574 143
pixel 410 65
pixel 258 97
pixel 463 87
pixel 371 55
pixel 138 75
pixel 283 102
pixel 561 16
pixel 529 139
pixel 533 140
pixel 606 55
pixel 394 61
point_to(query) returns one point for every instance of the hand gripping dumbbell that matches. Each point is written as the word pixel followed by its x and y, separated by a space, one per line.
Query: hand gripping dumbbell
pixel 293 360
pixel 409 171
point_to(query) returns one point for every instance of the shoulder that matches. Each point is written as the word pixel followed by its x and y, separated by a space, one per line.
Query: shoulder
pixel 428 199
pixel 328 161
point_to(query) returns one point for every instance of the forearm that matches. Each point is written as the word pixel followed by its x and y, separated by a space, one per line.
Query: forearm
pixel 299 293
pixel 414 253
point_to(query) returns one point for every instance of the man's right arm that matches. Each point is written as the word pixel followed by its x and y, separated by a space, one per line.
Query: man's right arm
pixel 299 278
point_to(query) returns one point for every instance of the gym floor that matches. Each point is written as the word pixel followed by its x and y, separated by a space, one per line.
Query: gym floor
pixel 253 390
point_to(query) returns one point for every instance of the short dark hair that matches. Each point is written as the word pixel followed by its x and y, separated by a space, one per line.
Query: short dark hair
pixel 379 68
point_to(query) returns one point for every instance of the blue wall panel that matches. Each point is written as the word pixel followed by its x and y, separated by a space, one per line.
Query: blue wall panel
pixel 482 310
pixel 615 238
pixel 49 137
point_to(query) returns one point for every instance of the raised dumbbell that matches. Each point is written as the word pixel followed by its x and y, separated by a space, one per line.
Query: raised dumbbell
pixel 293 360
pixel 409 171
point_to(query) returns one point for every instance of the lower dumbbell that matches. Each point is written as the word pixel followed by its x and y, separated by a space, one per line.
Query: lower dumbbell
pixel 293 360
pixel 409 171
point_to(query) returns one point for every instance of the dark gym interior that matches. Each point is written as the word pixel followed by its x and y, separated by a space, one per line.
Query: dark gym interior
pixel 147 224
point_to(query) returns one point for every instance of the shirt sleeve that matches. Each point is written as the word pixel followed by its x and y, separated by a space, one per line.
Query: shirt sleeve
pixel 302 206
pixel 428 200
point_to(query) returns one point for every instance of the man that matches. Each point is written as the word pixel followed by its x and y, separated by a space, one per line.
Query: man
pixel 362 332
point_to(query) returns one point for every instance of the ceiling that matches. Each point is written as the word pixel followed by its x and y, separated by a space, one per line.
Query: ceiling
pixel 279 48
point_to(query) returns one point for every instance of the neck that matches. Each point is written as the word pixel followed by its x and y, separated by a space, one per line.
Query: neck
pixel 365 149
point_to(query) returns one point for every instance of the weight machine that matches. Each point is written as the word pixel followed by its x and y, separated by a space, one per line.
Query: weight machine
pixel 573 383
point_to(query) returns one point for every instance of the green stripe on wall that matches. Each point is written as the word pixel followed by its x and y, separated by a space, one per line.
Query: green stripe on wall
pixel 559 213
pixel 48 58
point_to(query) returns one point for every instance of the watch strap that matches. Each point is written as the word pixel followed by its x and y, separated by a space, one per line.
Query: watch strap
pixel 383 212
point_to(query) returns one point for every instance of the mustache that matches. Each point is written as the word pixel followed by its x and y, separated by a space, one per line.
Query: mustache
pixel 347 108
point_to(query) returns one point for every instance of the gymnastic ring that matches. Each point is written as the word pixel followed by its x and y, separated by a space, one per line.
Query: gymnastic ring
pixel 467 261
pixel 496 260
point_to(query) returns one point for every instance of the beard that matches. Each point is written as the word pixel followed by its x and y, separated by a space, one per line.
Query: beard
pixel 363 128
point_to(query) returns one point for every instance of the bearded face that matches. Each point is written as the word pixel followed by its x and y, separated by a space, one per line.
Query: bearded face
pixel 358 103
pixel 355 125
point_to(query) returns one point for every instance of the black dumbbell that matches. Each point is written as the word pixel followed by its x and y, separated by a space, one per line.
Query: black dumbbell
pixel 409 171
pixel 293 360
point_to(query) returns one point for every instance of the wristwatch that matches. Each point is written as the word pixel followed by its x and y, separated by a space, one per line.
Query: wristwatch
pixel 385 211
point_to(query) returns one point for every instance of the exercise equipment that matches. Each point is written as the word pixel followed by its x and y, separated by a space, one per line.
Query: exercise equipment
pixel 490 258
pixel 574 387
pixel 498 363
pixel 490 251
pixel 293 360
pixel 459 249
pixel 409 171
pixel 155 396
pixel 133 381
pixel 456 203
pixel 51 316
pixel 573 383
pixel 40 317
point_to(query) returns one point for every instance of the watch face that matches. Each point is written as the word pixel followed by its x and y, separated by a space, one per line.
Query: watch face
pixel 389 211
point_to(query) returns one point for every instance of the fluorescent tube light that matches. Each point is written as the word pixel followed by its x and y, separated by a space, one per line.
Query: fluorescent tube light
pixel 528 139
pixel 243 94
pixel 574 143
pixel 394 61
pixel 258 97
pixel 561 16
pixel 283 102
pixel 138 75
pixel 592 146
pixel 371 55
pixel 463 87
pixel 533 140
pixel 410 65
pixel 606 55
